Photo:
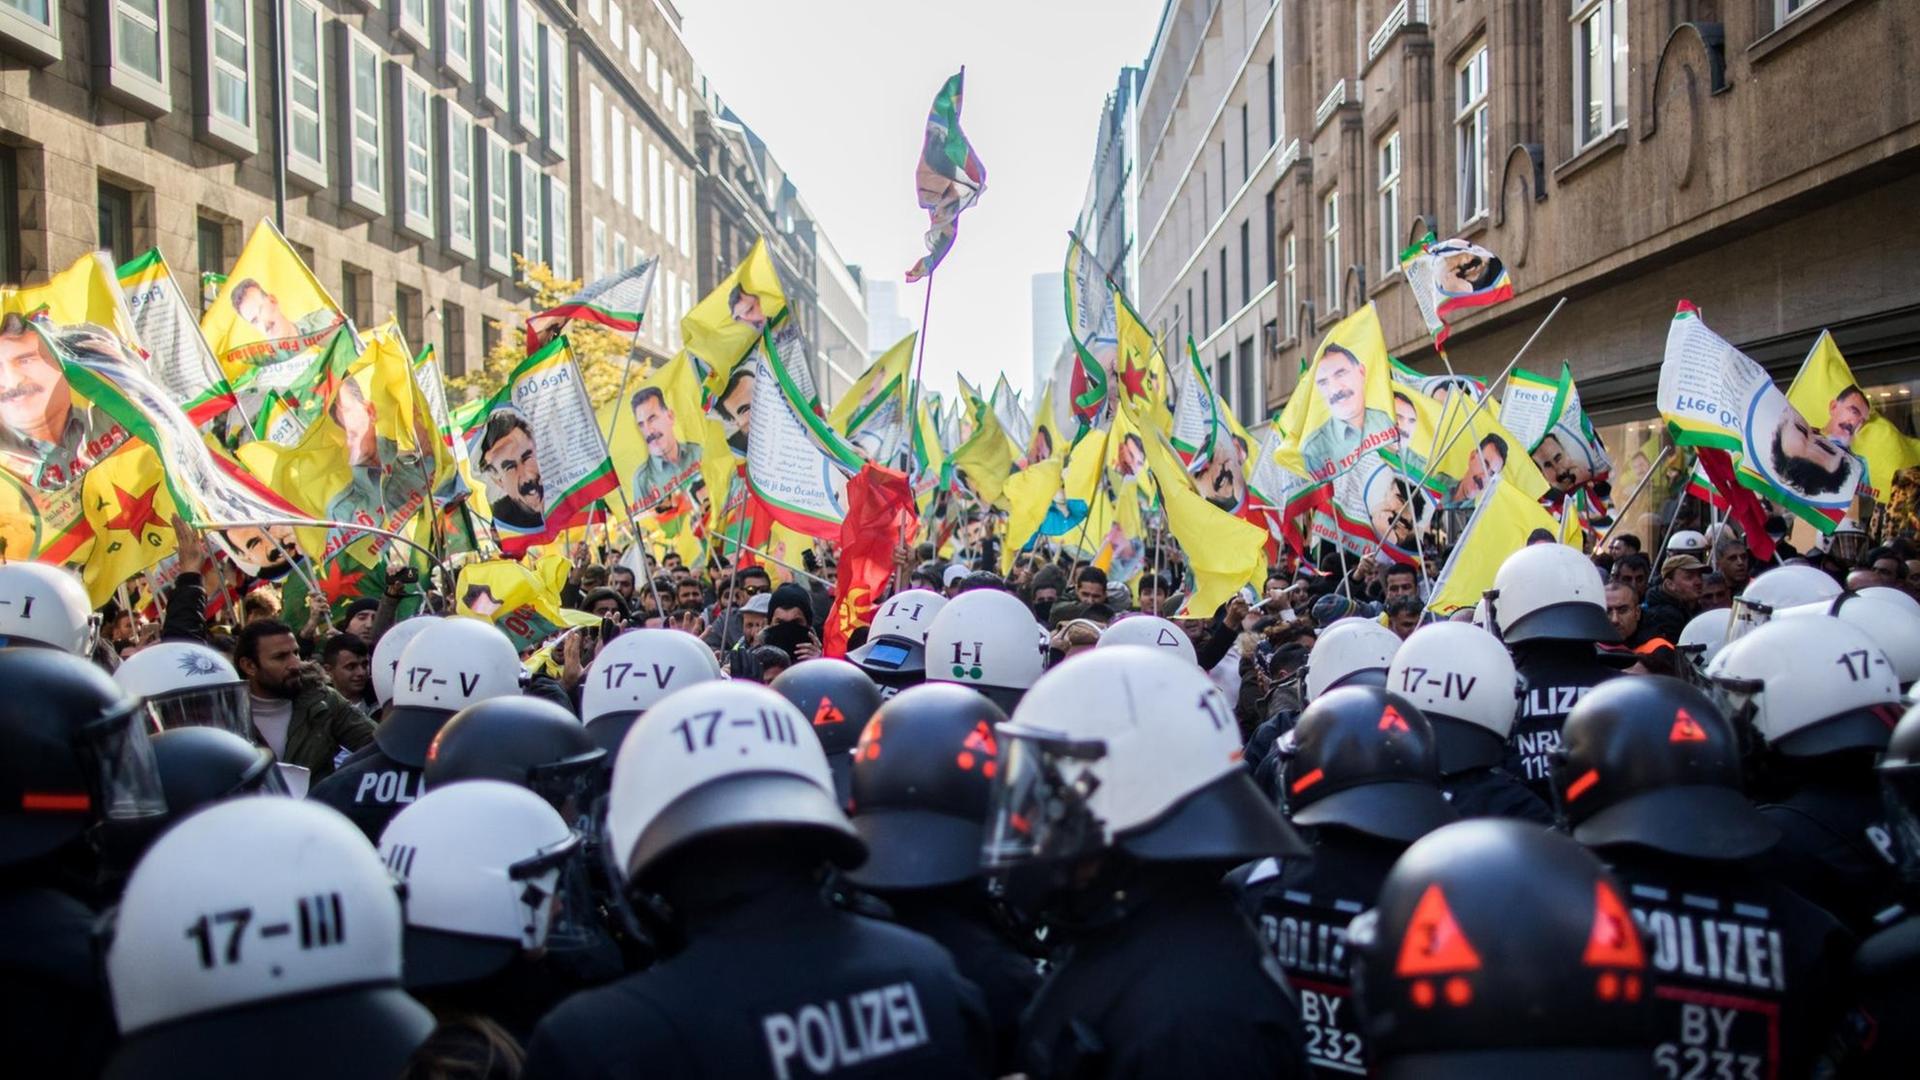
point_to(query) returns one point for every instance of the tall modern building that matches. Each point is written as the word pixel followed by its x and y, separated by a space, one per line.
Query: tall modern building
pixel 1049 325
pixel 886 325
pixel 1110 217
pixel 1208 131
pixel 1624 156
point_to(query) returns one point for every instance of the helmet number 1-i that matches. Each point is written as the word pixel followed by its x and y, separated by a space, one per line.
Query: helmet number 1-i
pixel 966 664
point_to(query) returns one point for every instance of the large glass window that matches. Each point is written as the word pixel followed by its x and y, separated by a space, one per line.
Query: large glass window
pixel 499 205
pixel 306 90
pixel 559 235
pixel 533 240
pixel 1330 251
pixel 367 184
pixel 1289 288
pixel 557 72
pixel 1389 192
pixel 493 57
pixel 416 159
pixel 528 48
pixel 1470 133
pixel 460 180
pixel 596 135
pixel 139 27
pixel 232 62
pixel 456 16
pixel 1599 69
pixel 636 158
pixel 653 187
pixel 416 22
pixel 617 123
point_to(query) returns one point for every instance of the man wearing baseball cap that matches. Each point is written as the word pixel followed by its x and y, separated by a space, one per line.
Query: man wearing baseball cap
pixel 1676 600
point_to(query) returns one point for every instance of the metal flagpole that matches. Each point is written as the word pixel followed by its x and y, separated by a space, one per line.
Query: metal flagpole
pixel 1620 515
pixel 777 562
pixel 1467 423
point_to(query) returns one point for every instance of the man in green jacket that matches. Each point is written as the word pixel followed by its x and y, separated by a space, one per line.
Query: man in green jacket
pixel 299 717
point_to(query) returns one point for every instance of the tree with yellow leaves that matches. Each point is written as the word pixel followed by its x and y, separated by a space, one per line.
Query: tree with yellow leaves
pixel 600 352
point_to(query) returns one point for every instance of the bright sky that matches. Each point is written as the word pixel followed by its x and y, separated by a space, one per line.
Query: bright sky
pixel 839 90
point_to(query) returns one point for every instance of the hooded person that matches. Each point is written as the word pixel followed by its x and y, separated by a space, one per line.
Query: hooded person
pixel 789 619
pixel 1361 780
pixel 723 820
pixel 1118 805
pixel 246 929
pixel 1465 683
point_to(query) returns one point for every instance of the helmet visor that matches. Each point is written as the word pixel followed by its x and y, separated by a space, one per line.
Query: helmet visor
pixel 1748 616
pixel 223 707
pixel 1741 701
pixel 552 891
pixel 125 774
pixel 1900 791
pixel 573 787
pixel 1039 808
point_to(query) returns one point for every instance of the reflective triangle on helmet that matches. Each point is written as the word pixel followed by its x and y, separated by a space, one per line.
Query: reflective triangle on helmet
pixel 1613 942
pixel 1686 728
pixel 1433 943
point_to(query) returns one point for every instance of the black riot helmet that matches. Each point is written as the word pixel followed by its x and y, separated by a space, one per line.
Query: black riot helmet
pixel 1650 761
pixel 838 699
pixel 524 741
pixel 1498 948
pixel 922 778
pixel 201 765
pixel 74 754
pixel 1900 787
pixel 1364 759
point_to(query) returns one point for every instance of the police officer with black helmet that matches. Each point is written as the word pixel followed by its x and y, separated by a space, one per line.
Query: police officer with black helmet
pixel 1500 949
pixel 1752 974
pixel 1361 780
pixel 838 699
pixel 1886 969
pixel 1548 606
pixel 200 766
pixel 1464 682
pixel 921 780
pixel 1118 804
pixel 75 765
pixel 450 664
pixel 1818 697
pixel 723 814
pixel 525 741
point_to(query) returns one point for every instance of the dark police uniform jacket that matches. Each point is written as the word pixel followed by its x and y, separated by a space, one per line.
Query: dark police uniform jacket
pixel 1494 792
pixel 54 1016
pixel 1554 676
pixel 370 787
pixel 782 985
pixel 1835 849
pixel 963 925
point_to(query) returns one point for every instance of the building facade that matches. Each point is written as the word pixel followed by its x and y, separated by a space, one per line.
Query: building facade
pixel 1049 324
pixel 427 143
pixel 1622 155
pixel 1208 128
pixel 885 323
pixel 633 177
pixel 1110 217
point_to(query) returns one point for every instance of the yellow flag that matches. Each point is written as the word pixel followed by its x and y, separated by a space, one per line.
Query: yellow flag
pixel 1140 372
pixel 86 292
pixel 1086 463
pixel 1827 396
pixel 519 599
pixel 1029 494
pixel 1046 442
pixel 720 329
pixel 986 458
pixel 131 512
pixel 270 307
pixel 1223 550
pixel 661 440
pixel 1477 446
pixel 1343 407
pixel 1500 525
pixel 883 384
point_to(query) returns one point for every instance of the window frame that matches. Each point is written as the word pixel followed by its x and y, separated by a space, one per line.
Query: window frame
pixel 496 74
pixel 1331 270
pixel 597 134
pixel 532 198
pixel 599 247
pixel 457 56
pixel 1290 283
pixel 636 162
pixel 685 188
pixel 1615 60
pixel 497 169
pixel 32 40
pixel 527 76
pixel 559 228
pixel 148 95
pixel 210 125
pixel 1471 117
pixel 559 72
pixel 457 124
pixel 311 169
pixel 617 168
pixel 415 30
pixel 370 196
pixel 1387 199
pixel 413 171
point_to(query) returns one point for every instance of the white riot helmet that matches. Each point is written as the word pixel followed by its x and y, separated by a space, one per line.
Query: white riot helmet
pixel 1809 686
pixel 45 605
pixel 722 757
pixel 634 670
pixel 895 652
pixel 1892 626
pixel 1127 747
pixel 1896 596
pixel 1688 542
pixel 386 654
pixel 1847 542
pixel 986 639
pixel 1464 680
pixel 1704 636
pixel 1550 592
pixel 187 684
pixel 1153 632
pixel 1351 652
pixel 1779 588
pixel 449 665
pixel 244 925
pixel 481 863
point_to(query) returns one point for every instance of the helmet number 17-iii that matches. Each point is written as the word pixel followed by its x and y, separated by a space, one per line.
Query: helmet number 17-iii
pixel 702 730
pixel 220 935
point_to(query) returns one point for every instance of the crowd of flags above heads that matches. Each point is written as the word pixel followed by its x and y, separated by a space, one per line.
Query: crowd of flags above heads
pixel 325 454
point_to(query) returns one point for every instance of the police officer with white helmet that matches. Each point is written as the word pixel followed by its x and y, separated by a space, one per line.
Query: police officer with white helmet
pixel 895 652
pixel 1151 631
pixel 988 640
pixel 257 937
pixel 386 656
pixel 1350 652
pixel 635 670
pixel 187 684
pixel 451 664
pixel 1894 625
pixel 1781 587
pixel 1463 680
pixel 45 606
pixel 723 815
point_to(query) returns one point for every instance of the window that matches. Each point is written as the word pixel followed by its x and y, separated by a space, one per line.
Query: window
pixel 653 187
pixel 224 89
pixel 139 32
pixel 686 218
pixel 617 122
pixel 1470 133
pixel 1289 286
pixel 557 90
pixel 1599 69
pixel 210 237
pixel 456 20
pixel 1787 9
pixel 493 59
pixel 1191 328
pixel 1389 189
pixel 366 186
pixel 415 113
pixel 633 168
pixel 527 45
pixel 499 179
pixel 407 311
pixel 453 347
pixel 356 293
pixel 1330 250
pixel 560 230
pixel 1246 263
pixel 1223 177
pixel 1206 301
pixel 1273 103
pixel 597 10
pixel 460 180
pixel 666 198
pixel 533 240
pixel 415 22
pixel 653 71
pixel 619 253
pixel 1266 238
pixel 1245 400
pixel 306 94
pixel 1246 156
pixel 634 47
pixel 596 135
pixel 9 215
pixel 1224 309
pixel 130 66
pixel 680 105
pixel 32 27
pixel 666 89
pixel 616 22
pixel 599 249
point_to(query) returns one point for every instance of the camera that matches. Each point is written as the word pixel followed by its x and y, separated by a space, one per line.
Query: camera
pixel 406 575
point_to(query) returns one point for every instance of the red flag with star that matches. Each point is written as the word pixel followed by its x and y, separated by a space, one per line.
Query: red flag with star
pixel 880 517
pixel 127 503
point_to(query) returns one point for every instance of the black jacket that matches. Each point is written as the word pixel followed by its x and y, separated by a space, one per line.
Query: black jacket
pixel 1554 675
pixel 54 1014
pixel 1663 615
pixel 1835 848
pixel 370 788
pixel 186 617
pixel 959 920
